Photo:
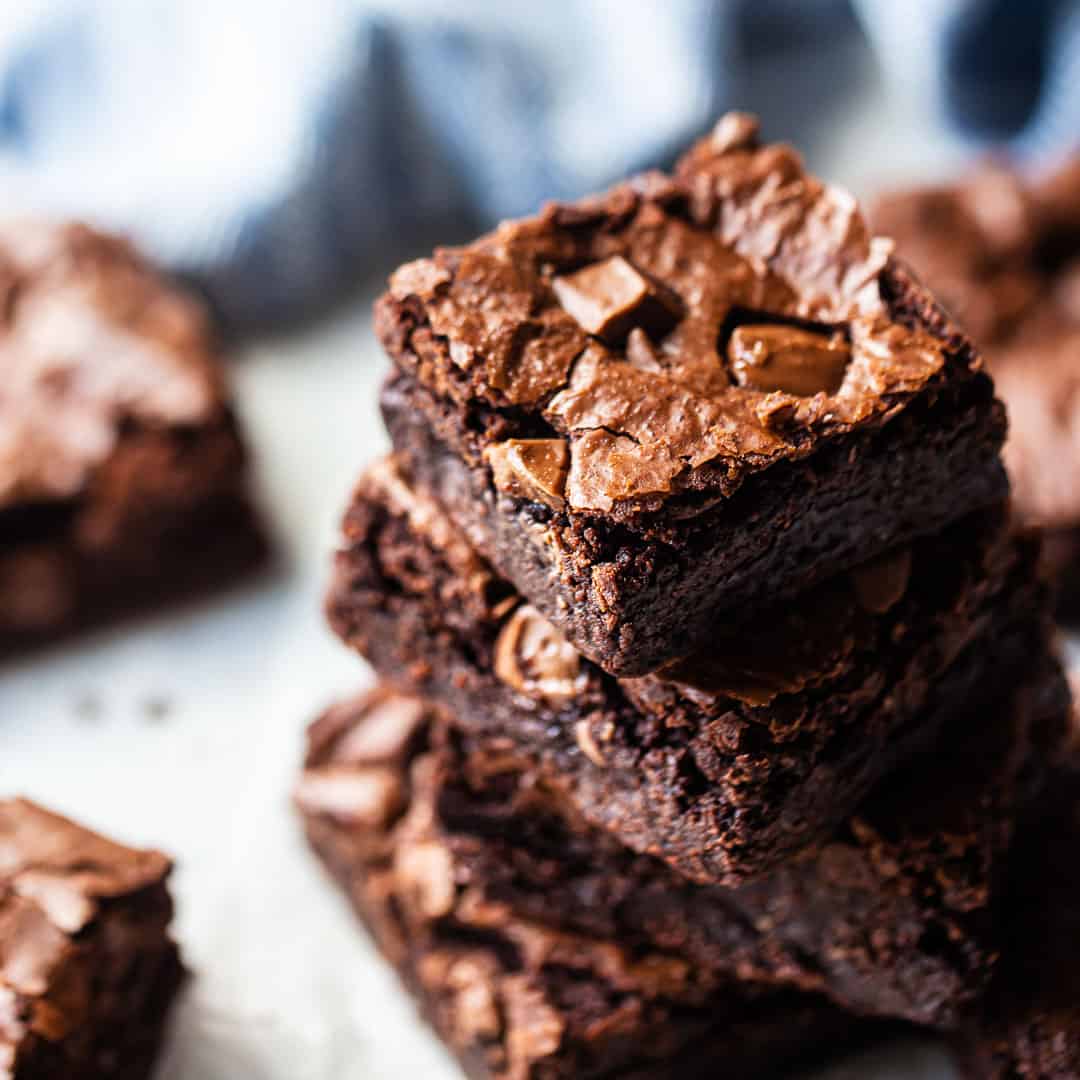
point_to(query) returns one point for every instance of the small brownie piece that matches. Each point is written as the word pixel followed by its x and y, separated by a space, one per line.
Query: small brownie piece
pixel 689 396
pixel 122 474
pixel 513 996
pixel 1003 254
pixel 87 967
pixel 1029 1027
pixel 729 761
pixel 889 918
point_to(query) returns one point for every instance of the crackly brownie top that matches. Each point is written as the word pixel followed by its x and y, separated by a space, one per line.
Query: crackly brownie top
pixel 55 880
pixel 92 341
pixel 674 334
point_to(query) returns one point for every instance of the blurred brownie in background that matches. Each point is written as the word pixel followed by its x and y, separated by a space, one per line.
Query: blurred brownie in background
pixel 1003 254
pixel 87 967
pixel 683 398
pixel 122 472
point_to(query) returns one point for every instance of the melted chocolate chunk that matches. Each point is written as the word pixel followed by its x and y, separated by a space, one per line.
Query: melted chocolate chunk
pixel 787 358
pixel 535 659
pixel 881 583
pixel 533 469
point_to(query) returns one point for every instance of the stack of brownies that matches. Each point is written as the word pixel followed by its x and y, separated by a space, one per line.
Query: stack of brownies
pixel 715 680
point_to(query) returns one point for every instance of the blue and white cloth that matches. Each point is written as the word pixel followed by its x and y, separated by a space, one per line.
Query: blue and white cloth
pixel 275 150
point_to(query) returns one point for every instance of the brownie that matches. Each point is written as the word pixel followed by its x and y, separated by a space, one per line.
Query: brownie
pixel 1003 253
pixel 513 995
pixel 1029 1026
pixel 87 967
pixel 691 395
pixel 122 472
pixel 730 760
pixel 890 917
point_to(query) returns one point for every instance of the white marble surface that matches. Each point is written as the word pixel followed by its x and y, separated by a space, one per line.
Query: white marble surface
pixel 185 731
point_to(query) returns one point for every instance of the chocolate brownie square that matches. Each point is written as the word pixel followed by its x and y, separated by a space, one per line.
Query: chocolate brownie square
pixel 890 917
pixel 122 473
pixel 1003 253
pixel 690 396
pixel 87 967
pixel 514 996
pixel 726 762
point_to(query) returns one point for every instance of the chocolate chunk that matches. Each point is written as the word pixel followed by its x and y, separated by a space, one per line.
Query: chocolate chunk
pixel 881 583
pixel 535 659
pixel 533 469
pixel 776 357
pixel 610 298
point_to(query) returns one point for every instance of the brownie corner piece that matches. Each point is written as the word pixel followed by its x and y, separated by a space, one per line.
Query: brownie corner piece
pixel 515 997
pixel 123 474
pixel 88 969
pixel 692 394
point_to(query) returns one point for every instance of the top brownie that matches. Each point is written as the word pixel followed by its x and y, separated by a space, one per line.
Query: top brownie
pixel 119 454
pixel 695 391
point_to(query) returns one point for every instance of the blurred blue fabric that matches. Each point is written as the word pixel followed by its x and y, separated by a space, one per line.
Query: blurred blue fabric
pixel 275 151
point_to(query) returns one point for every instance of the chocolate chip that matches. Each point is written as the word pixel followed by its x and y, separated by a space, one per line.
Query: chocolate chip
pixel 534 469
pixel 535 659
pixel 609 298
pixel 777 357
pixel 882 582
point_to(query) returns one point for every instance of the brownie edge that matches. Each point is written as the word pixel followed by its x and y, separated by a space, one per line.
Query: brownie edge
pixel 87 967
pixel 511 997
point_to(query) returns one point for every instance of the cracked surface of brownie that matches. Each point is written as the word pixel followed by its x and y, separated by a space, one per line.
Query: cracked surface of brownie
pixel 694 392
